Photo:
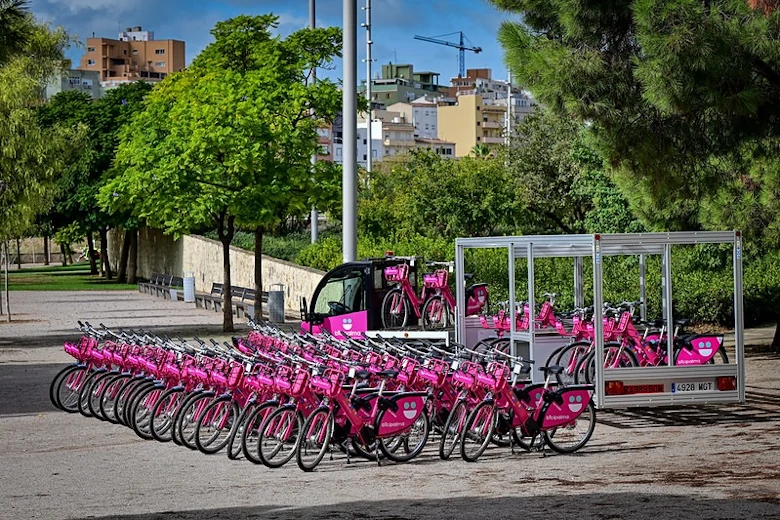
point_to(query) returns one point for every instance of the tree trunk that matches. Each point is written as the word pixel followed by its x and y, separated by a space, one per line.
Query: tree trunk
pixel 226 232
pixel 121 274
pixel 45 249
pixel 7 294
pixel 18 253
pixel 104 253
pixel 1 268
pixel 132 257
pixel 70 253
pixel 259 230
pixel 776 339
pixel 64 255
pixel 93 268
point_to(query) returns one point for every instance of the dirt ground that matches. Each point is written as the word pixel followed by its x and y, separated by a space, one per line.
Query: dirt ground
pixel 677 463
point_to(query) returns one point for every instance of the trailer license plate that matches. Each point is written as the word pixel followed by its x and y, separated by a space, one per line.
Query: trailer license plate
pixel 706 386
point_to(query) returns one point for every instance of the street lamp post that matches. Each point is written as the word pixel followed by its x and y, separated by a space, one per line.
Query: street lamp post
pixel 349 174
pixel 315 217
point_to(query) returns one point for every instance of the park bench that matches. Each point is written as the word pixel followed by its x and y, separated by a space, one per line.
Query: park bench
pixel 243 299
pixel 165 285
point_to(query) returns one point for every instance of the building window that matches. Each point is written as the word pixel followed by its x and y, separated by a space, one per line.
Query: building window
pixel 90 62
pixel 479 138
pixel 478 123
pixel 364 141
pixel 159 64
pixel 373 153
pixel 75 81
pixel 90 49
pixel 364 157
pixel 338 152
pixel 135 52
pixel 159 51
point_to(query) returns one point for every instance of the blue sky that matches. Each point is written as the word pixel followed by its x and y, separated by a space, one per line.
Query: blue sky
pixel 395 22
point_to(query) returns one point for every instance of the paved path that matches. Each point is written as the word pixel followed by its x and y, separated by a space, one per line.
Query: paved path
pixel 683 463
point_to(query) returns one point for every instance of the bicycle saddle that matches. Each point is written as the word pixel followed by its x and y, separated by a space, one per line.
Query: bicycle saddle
pixel 552 369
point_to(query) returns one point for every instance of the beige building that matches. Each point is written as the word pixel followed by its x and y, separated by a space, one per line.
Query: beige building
pixel 134 55
pixel 471 122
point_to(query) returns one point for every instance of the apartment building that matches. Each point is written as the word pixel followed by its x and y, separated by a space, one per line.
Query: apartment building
pixel 423 114
pixel 73 79
pixel 400 83
pixel 134 55
pixel 472 121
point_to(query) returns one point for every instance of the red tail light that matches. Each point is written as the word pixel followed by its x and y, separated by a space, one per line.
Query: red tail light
pixel 614 388
pixel 726 383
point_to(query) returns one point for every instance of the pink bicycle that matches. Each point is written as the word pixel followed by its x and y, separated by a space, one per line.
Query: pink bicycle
pixel 436 306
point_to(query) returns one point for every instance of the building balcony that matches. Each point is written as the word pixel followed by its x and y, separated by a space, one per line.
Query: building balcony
pixel 492 124
pixel 493 140
pixel 394 143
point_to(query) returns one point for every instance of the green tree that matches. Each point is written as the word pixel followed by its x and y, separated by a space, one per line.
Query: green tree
pixel 560 179
pixel 682 97
pixel 227 142
pixel 15 28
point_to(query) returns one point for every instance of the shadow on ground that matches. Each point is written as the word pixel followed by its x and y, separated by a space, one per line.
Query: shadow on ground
pixel 590 506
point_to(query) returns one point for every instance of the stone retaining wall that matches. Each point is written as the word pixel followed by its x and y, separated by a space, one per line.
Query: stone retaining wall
pixel 159 253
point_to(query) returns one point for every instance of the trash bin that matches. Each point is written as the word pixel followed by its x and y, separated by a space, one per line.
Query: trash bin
pixel 276 303
pixel 189 287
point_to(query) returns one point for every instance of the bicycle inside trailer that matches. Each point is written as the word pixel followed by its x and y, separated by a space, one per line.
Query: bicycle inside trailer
pixel 644 360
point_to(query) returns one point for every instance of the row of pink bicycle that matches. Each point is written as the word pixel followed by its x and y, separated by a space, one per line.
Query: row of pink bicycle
pixel 274 396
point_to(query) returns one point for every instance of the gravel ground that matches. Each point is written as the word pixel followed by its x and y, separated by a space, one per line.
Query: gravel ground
pixel 687 463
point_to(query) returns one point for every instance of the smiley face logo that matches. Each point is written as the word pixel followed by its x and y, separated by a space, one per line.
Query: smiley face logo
pixel 705 348
pixel 410 409
pixel 347 323
pixel 575 403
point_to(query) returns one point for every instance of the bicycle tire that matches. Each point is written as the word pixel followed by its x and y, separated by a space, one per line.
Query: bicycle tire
pixel 55 384
pixel 553 437
pixel 141 414
pixel 572 359
pixel 279 418
pixel 163 414
pixel 189 416
pixel 95 393
pixel 69 388
pixel 501 344
pixel 233 447
pixel 125 396
pixel 175 436
pixel 132 398
pixel 86 389
pixel 253 423
pixel 627 359
pixel 109 394
pixel 391 320
pixel 422 424
pixel 437 314
pixel 314 439
pixel 450 437
pixel 479 428
pixel 213 413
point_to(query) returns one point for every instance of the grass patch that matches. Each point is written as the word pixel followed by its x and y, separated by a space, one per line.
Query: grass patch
pixel 81 266
pixel 70 278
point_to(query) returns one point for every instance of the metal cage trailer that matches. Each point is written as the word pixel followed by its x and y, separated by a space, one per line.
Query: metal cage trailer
pixel 624 386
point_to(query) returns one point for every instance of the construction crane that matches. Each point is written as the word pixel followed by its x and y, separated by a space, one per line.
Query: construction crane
pixel 458 45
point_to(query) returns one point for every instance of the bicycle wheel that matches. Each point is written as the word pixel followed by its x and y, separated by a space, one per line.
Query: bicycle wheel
pixel 279 435
pixel 572 437
pixel 189 417
pixel 234 439
pixel 215 424
pixel 69 387
pixel 86 389
pixel 477 432
pixel 436 314
pixel 450 437
pixel 175 434
pixel 412 440
pixel 96 392
pixel 572 359
pixel 141 414
pixel 110 394
pixel 315 439
pixel 165 408
pixel 395 309
pixel 125 397
pixel 132 399
pixel 501 344
pixel 55 383
pixel 526 443
pixel 720 358
pixel 250 436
